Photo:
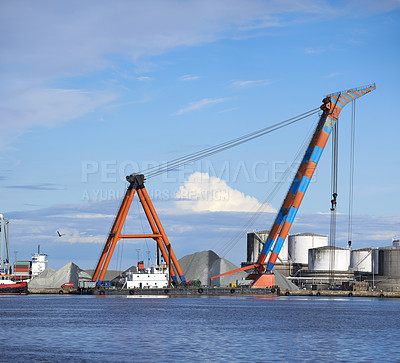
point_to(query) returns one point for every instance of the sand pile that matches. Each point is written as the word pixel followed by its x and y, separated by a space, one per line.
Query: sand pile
pixel 50 278
pixel 283 282
pixel 203 265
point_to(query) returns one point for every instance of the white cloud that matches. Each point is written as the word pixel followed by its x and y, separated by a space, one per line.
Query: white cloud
pixel 91 216
pixel 144 78
pixel 205 193
pixel 333 74
pixel 329 213
pixel 311 50
pixel 228 110
pixel 188 77
pixel 26 109
pixel 74 236
pixel 244 84
pixel 196 106
pixel 45 35
pixel 321 49
pixel 188 230
pixel 46 41
pixel 381 236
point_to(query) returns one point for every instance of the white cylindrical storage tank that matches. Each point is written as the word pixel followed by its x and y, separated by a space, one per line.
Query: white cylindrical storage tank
pixel 255 244
pixel 389 262
pixel 328 258
pixel 283 255
pixel 375 261
pixel 299 244
pixel 361 260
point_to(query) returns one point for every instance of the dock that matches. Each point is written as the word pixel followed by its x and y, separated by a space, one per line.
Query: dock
pixel 219 291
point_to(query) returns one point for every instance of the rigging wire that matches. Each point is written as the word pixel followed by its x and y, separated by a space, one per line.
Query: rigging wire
pixel 176 163
pixel 351 186
pixel 334 190
pixel 190 158
pixel 227 247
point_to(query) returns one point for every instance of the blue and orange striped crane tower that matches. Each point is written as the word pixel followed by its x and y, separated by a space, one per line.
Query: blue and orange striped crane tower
pixel 136 185
pixel 332 106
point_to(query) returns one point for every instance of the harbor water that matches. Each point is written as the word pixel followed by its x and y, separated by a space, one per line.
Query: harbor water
pixel 50 328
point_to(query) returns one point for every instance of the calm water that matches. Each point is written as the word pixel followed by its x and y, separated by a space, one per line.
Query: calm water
pixel 132 329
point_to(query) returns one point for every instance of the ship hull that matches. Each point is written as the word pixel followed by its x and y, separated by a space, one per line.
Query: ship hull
pixel 18 288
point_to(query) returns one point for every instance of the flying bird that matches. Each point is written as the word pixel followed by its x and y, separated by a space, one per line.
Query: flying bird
pixel 59 234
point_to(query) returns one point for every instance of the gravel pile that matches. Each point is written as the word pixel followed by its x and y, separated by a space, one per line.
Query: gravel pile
pixel 203 265
pixel 50 278
pixel 283 282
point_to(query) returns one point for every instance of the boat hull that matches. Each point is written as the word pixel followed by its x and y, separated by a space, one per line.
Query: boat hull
pixel 17 288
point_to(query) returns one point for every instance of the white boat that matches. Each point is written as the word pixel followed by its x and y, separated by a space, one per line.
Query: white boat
pixel 153 277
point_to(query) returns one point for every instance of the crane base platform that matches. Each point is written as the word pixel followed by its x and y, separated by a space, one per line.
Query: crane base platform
pixel 178 291
pixel 264 281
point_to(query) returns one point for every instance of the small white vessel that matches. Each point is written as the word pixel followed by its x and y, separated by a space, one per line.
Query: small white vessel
pixel 153 277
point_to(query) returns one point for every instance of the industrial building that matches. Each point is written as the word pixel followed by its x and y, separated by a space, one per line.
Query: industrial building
pixel 293 255
pixel 308 261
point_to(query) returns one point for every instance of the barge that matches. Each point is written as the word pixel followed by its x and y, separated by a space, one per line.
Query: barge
pixel 184 291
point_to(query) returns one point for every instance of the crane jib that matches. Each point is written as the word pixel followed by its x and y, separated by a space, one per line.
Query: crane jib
pixel 331 107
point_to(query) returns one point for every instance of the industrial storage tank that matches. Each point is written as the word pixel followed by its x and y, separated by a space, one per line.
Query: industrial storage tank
pixel 299 244
pixel 375 261
pixel 361 260
pixel 283 254
pixel 255 243
pixel 328 258
pixel 389 262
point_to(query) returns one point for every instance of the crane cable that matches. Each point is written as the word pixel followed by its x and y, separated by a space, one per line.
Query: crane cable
pixel 334 190
pixel 227 247
pixel 176 163
pixel 351 186
pixel 190 158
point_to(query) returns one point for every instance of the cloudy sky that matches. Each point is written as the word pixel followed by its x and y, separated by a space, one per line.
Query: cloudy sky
pixel 95 91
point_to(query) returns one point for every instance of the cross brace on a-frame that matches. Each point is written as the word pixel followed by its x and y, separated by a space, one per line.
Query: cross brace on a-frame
pixel 136 185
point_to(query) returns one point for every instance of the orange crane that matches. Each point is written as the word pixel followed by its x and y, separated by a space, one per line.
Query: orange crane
pixel 331 107
pixel 136 185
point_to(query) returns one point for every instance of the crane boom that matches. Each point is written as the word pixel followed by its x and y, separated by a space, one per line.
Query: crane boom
pixel 331 107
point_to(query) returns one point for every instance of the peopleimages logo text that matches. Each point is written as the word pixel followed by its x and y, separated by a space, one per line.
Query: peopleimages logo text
pixel 261 171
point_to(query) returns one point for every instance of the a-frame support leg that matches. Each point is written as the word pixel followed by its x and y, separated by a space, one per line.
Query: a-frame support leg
pixel 118 221
pixel 159 235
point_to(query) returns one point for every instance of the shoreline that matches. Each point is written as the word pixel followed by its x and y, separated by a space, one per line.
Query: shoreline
pixel 238 291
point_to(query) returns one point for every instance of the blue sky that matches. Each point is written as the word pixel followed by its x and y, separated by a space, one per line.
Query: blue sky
pixel 93 92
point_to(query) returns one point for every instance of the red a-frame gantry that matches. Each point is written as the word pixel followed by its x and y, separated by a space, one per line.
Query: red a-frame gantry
pixel 136 184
